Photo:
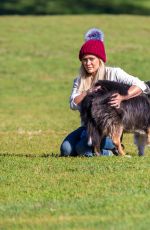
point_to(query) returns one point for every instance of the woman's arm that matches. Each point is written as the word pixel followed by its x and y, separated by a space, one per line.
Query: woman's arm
pixel 133 91
pixel 120 75
pixel 74 94
pixel 79 98
pixel 136 86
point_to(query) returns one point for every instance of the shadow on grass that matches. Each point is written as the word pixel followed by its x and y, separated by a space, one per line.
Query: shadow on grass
pixel 44 155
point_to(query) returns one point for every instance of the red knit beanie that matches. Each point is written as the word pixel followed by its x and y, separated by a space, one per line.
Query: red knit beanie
pixel 94 47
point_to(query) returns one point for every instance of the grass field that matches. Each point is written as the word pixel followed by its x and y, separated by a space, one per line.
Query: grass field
pixel 38 190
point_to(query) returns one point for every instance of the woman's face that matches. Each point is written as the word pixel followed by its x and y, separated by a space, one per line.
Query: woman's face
pixel 91 63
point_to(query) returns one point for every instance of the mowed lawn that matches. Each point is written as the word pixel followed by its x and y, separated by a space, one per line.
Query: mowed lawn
pixel 38 189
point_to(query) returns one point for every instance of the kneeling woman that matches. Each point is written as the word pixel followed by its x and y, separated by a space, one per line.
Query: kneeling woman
pixel 93 58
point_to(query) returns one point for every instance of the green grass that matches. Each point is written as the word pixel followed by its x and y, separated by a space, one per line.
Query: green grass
pixel 79 193
pixel 39 60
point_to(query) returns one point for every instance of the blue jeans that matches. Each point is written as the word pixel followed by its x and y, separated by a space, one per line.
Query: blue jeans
pixel 76 143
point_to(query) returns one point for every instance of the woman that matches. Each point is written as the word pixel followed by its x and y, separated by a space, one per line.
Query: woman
pixel 93 58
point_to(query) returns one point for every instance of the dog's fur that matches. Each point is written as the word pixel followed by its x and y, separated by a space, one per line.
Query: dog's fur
pixel 102 120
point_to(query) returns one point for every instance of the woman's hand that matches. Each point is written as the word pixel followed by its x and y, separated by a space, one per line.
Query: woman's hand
pixel 79 98
pixel 116 100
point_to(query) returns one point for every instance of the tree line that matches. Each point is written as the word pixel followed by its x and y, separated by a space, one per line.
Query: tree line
pixel 52 7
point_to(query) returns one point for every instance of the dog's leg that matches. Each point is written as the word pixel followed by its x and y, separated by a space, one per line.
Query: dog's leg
pixel 96 148
pixel 117 140
pixel 140 141
pixel 148 136
pixel 97 151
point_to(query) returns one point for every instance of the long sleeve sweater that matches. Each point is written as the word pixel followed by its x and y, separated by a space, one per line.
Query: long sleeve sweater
pixel 111 74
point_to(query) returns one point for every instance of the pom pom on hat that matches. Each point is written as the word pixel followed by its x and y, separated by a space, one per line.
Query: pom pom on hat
pixel 94 34
pixel 93 44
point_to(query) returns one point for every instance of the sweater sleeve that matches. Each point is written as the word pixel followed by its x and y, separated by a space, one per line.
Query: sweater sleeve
pixel 74 93
pixel 122 76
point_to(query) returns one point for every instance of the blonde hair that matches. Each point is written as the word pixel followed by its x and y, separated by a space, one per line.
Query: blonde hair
pixel 87 81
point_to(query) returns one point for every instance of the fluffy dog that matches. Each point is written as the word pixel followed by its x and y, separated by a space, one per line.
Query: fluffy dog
pixel 102 120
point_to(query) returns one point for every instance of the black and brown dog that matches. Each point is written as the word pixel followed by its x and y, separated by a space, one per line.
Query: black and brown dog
pixel 102 120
